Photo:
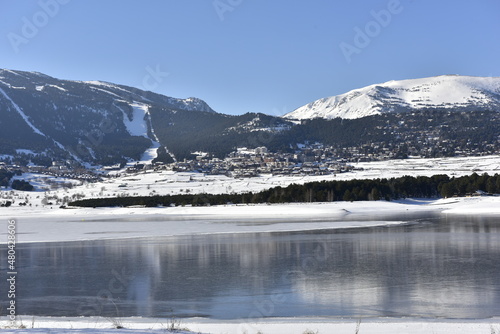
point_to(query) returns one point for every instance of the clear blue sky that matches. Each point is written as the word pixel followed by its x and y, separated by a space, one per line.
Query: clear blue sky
pixel 268 56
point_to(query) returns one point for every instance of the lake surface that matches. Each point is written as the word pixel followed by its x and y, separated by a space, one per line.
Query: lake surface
pixel 436 266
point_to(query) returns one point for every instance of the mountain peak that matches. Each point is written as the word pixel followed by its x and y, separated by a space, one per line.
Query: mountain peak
pixel 440 92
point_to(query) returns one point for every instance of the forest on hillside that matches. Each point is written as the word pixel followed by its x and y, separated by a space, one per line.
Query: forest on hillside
pixel 428 133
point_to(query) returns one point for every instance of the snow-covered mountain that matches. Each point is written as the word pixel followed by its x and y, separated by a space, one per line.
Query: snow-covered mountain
pixel 91 122
pixel 460 93
pixel 44 119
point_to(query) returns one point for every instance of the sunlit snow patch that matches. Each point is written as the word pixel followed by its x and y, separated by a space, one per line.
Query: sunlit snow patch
pixel 138 126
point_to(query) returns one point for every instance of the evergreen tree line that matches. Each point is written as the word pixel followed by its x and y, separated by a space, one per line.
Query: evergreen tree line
pixel 22 185
pixel 324 191
pixel 6 176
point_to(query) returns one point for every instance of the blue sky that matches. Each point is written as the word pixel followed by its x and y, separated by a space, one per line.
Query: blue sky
pixel 269 56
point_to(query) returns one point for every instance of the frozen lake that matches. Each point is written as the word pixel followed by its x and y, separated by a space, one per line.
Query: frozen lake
pixel 435 266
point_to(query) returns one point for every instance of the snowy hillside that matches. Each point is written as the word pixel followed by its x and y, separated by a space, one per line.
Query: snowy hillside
pixel 188 104
pixel 461 93
pixel 90 122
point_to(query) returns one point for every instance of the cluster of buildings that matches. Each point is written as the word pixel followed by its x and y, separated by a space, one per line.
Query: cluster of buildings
pixel 244 162
pixel 68 169
pixel 410 137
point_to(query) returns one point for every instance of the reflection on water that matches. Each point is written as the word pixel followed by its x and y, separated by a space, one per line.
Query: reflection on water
pixel 440 267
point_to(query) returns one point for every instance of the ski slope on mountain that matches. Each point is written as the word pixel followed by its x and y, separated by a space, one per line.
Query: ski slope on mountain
pixel 464 93
pixel 21 113
pixel 92 122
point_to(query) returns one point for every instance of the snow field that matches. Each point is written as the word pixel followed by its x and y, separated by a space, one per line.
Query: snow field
pixel 264 326
pixel 148 183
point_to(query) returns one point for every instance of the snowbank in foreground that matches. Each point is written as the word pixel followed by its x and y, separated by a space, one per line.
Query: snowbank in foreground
pixel 44 225
pixel 473 205
pixel 265 326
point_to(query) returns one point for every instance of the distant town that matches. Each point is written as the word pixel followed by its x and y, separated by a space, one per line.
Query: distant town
pixel 309 158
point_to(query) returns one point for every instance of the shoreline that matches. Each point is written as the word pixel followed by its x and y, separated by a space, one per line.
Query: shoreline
pixel 84 224
pixel 252 326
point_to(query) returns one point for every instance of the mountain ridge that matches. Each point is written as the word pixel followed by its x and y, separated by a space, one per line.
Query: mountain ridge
pixel 97 123
pixel 72 119
pixel 190 103
pixel 439 92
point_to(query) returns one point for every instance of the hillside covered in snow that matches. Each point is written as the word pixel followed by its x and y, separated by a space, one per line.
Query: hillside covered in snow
pixel 450 92
pixel 95 123
pixel 90 122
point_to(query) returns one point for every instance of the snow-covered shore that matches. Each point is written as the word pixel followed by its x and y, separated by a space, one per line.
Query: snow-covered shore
pixel 60 191
pixel 253 326
pixel 46 225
